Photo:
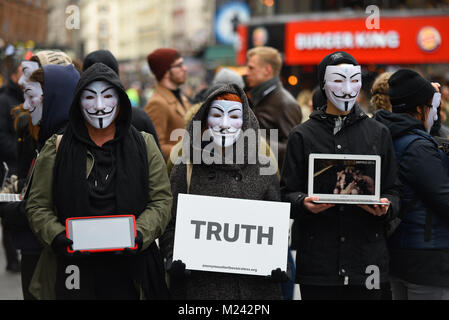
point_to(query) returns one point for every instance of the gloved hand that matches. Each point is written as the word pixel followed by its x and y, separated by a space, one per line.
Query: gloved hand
pixel 60 244
pixel 177 269
pixel 138 241
pixel 278 276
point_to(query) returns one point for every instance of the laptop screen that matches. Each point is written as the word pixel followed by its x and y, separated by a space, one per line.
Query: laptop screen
pixel 344 176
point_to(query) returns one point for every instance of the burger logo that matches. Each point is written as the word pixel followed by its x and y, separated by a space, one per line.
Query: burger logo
pixel 429 39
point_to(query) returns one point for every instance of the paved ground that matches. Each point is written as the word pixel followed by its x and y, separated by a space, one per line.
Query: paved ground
pixel 10 285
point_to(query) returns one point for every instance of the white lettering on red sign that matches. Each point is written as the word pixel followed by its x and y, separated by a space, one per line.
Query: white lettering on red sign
pixel 347 40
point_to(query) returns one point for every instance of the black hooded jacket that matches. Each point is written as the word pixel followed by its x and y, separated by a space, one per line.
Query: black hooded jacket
pixel 338 244
pixel 423 172
pixel 117 184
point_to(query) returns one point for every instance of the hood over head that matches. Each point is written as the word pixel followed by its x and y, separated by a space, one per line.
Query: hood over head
pixel 59 85
pixel 103 56
pixel 248 117
pixel 99 72
pixel 398 123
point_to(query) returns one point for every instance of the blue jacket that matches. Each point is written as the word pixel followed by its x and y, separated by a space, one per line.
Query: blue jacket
pixel 411 233
pixel 423 172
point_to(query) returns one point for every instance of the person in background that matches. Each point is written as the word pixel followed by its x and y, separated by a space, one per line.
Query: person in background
pixel 274 107
pixel 419 245
pixel 30 140
pixel 53 87
pixel 11 95
pixel 303 99
pixel 167 106
pixel 379 92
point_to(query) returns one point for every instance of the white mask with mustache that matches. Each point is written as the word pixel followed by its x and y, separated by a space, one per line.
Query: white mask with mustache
pixel 225 121
pixel 342 85
pixel 99 101
pixel 33 95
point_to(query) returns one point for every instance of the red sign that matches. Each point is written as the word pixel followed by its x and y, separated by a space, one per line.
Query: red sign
pixel 242 31
pixel 399 40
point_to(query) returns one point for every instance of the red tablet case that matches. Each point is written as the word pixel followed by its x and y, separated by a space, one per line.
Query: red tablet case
pixel 96 217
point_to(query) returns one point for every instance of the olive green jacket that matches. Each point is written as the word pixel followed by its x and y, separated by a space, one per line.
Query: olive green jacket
pixel 43 220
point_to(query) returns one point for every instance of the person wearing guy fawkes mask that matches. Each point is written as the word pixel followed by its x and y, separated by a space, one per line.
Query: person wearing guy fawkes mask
pixel 224 117
pixel 419 245
pixel 103 166
pixel 336 243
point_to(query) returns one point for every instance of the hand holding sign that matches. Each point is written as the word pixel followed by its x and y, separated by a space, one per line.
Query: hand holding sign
pixel 278 276
pixel 177 270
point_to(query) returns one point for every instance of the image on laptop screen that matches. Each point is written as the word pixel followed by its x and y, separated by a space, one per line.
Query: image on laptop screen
pixel 339 176
pixel 344 177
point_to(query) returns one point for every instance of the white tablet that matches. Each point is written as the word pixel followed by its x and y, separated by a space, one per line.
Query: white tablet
pixel 101 233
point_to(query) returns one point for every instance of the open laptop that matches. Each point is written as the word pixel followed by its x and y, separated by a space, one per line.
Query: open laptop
pixel 344 178
pixel 14 197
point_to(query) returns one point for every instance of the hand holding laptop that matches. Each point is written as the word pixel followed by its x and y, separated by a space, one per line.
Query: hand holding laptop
pixel 313 207
pixel 376 209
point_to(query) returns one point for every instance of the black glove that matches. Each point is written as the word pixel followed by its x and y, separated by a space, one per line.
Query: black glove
pixel 60 244
pixel 177 270
pixel 137 241
pixel 278 276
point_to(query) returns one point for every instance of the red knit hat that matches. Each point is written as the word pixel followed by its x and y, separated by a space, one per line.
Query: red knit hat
pixel 161 59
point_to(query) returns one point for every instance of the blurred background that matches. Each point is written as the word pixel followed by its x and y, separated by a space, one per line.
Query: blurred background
pixel 382 35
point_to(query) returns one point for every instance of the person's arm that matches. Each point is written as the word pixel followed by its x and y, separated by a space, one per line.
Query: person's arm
pixel 294 181
pixel 40 208
pixel 159 115
pixel 154 219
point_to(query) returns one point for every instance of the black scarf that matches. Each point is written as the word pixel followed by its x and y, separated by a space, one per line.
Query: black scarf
pixel 71 191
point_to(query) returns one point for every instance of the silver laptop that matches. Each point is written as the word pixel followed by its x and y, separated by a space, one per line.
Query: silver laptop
pixel 14 197
pixel 344 178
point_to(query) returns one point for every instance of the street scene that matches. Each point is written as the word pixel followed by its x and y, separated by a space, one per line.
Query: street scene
pixel 214 150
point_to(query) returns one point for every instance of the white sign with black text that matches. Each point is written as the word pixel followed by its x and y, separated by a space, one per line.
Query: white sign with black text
pixel 231 235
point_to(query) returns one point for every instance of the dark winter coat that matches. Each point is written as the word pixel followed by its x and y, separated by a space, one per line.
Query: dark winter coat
pixel 10 96
pixel 223 180
pixel 423 172
pixel 275 108
pixel 337 245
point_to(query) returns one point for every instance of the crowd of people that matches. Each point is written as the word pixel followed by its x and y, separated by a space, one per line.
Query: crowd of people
pixel 92 153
